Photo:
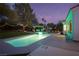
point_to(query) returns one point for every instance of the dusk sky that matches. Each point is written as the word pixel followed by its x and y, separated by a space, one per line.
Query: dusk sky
pixel 52 12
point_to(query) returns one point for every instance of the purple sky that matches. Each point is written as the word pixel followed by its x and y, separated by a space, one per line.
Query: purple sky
pixel 52 12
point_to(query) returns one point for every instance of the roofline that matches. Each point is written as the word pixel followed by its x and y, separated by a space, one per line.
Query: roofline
pixel 70 10
pixel 75 6
pixel 68 13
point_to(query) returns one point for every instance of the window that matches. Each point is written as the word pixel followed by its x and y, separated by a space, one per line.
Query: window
pixel 70 26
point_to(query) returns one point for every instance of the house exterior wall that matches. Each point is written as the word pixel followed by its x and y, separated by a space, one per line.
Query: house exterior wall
pixel 69 19
pixel 76 23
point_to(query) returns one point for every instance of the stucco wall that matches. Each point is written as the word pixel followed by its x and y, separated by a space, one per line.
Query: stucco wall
pixel 76 23
pixel 69 19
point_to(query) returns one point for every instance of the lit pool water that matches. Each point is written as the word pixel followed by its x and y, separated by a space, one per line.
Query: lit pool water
pixel 26 40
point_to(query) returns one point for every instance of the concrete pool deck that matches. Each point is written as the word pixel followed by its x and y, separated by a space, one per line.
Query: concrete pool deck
pixel 52 41
pixel 52 51
pixel 56 45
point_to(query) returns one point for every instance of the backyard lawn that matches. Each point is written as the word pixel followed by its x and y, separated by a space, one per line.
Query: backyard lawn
pixel 8 34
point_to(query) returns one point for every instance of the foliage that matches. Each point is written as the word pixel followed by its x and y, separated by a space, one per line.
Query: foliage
pixel 60 26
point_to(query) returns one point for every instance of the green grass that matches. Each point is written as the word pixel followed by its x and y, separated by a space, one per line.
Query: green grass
pixel 12 34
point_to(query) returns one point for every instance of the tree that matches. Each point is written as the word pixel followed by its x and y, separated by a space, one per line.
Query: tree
pixel 3 12
pixel 34 20
pixel 29 14
pixel 10 14
pixel 2 20
pixel 60 26
pixel 25 14
pixel 41 24
pixel 13 18
pixel 51 26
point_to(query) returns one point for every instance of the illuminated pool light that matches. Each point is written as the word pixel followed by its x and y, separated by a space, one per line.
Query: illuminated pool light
pixel 40 33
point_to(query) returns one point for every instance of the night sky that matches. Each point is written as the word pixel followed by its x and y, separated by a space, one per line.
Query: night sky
pixel 52 12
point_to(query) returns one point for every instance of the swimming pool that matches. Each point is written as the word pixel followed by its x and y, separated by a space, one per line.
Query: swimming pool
pixel 26 40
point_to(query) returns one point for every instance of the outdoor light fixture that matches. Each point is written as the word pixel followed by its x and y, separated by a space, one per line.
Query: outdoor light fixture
pixel 40 33
pixel 64 27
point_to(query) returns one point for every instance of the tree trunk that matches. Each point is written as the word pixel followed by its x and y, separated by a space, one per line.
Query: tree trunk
pixel 23 28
